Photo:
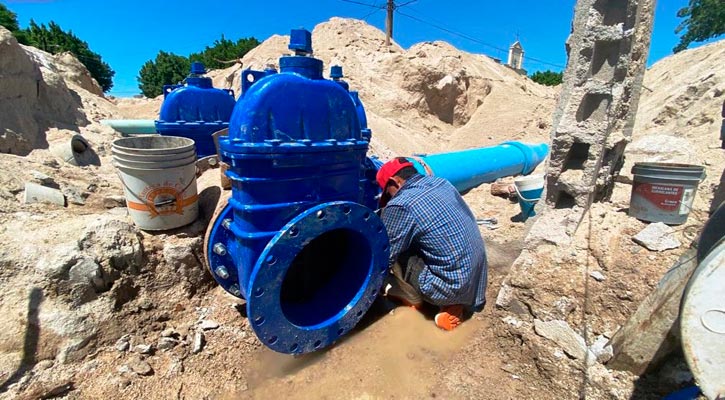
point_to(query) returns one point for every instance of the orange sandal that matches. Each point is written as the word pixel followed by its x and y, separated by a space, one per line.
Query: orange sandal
pixel 449 317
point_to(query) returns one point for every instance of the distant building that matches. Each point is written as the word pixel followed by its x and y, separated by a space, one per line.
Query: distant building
pixel 516 56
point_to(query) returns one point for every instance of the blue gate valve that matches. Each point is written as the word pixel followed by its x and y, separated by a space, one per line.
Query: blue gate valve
pixel 299 239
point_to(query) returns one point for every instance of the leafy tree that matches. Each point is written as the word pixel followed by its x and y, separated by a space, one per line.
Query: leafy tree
pixel 9 20
pixel 224 50
pixel 548 78
pixel 703 19
pixel 166 69
pixel 55 40
pixel 170 68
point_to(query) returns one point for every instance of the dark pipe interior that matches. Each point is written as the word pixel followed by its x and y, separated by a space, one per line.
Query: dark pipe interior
pixel 325 277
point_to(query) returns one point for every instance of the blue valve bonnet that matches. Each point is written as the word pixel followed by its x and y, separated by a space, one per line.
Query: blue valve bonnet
pixel 195 110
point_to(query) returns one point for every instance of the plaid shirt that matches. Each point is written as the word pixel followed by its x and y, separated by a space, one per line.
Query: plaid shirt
pixel 429 217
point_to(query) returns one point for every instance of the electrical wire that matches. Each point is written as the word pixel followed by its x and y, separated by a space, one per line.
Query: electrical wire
pixel 464 36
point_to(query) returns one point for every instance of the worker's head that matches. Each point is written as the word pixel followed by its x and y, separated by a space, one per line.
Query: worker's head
pixel 391 177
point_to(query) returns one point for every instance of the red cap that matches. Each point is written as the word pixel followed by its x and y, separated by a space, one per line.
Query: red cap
pixel 389 169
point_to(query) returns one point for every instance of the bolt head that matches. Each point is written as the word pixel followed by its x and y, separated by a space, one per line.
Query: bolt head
pixel 227 223
pixel 220 249
pixel 234 289
pixel 222 272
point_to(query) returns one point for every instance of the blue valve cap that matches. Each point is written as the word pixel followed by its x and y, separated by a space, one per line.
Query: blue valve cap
pixel 336 72
pixel 300 41
pixel 197 68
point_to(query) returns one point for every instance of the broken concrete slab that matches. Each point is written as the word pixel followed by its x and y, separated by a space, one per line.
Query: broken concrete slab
pixel 564 336
pixel 657 237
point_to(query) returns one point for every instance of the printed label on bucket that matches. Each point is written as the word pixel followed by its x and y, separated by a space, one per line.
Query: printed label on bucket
pixel 686 203
pixel 162 199
pixel 664 197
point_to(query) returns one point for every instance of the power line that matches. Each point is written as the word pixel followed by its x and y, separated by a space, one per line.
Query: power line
pixel 464 36
pixel 360 3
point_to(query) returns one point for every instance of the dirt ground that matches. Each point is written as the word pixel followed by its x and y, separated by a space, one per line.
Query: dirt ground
pixel 90 339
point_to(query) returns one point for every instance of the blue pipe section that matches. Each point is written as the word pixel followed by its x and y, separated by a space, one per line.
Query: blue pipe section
pixel 299 238
pixel 469 168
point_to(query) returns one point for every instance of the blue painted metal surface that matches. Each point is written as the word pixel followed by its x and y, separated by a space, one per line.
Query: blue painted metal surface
pixel 195 110
pixel 469 168
pixel 299 239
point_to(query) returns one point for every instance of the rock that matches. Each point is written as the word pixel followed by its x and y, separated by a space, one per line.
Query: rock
pixel 87 271
pixel 505 295
pixel 57 263
pixel 167 343
pixel 143 349
pixel 42 178
pixel 512 321
pixel 208 324
pixel 561 333
pixel 123 344
pixel 176 368
pixel 199 341
pixel 657 237
pixel 115 245
pixel 169 332
pixel 181 255
pixel 35 193
pixel 74 195
pixel 140 367
pixel 597 276
pixel 114 201
pixel 601 350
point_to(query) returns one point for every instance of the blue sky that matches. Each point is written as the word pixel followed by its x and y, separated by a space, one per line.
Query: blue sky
pixel 126 33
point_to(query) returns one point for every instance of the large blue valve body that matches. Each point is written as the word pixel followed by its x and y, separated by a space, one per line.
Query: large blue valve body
pixel 297 239
pixel 195 110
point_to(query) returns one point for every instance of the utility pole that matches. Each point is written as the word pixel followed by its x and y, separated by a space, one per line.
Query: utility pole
pixel 389 23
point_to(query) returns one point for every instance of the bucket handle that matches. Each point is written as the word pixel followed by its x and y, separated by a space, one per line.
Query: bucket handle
pixel 524 198
pixel 152 206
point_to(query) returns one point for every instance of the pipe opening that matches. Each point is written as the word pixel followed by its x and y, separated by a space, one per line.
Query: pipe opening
pixel 325 277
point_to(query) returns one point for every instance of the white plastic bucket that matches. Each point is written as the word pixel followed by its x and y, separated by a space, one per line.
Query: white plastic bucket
pixel 529 189
pixel 159 180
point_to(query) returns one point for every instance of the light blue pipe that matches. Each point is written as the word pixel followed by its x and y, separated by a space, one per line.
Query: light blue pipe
pixel 467 169
pixel 132 126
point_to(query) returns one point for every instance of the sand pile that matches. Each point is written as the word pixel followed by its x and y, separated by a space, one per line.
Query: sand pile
pixel 429 98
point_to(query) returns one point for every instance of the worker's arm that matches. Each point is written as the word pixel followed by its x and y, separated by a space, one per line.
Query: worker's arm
pixel 400 224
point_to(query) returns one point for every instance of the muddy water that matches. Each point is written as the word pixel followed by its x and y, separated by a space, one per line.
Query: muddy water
pixel 398 356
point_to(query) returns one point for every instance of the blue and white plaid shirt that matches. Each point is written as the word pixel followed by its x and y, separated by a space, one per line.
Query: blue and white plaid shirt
pixel 429 217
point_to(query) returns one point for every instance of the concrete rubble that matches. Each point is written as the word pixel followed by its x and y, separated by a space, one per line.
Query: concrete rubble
pixel 657 237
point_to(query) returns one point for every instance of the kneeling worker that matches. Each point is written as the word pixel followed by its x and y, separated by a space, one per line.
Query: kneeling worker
pixel 437 254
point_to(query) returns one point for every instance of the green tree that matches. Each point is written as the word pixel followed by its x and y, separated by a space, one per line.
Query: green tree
pixel 166 69
pixel 55 40
pixel 548 78
pixel 170 68
pixel 224 50
pixel 9 20
pixel 703 19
